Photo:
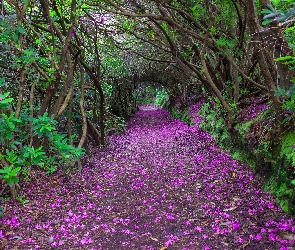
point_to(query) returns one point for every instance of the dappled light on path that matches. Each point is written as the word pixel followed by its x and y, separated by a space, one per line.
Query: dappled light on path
pixel 161 184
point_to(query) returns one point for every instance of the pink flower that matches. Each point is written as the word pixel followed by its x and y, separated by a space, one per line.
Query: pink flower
pixel 270 206
pixel 205 236
pixel 235 226
pixel 83 241
pixel 271 237
pixel 258 237
pixel 168 243
pixel 240 240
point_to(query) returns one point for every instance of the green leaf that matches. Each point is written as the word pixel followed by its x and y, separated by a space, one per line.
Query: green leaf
pixel 280 92
pixel 12 180
pixel 20 29
pixel 8 135
pixel 5 170
pixel 2 81
pixel 284 58
pixel 275 2
pixel 293 182
pixel 270 7
pixel 266 11
pixel 15 171
pixel 271 15
pixel 8 100
pixel 85 6
pixel 266 22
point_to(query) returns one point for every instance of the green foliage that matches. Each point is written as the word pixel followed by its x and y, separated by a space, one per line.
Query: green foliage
pixel 8 126
pixel 288 100
pixel 9 174
pixel 32 156
pixel 182 116
pixel 242 155
pixel 67 153
pixel 161 97
pixel 264 149
pixel 287 147
pixel 114 124
pixel 214 124
pixel 1 208
pixel 145 100
pixel 44 125
pixel 198 10
pixel 16 152
pixel 146 94
pixel 281 12
pixel 278 187
pixel 243 128
pixel 22 199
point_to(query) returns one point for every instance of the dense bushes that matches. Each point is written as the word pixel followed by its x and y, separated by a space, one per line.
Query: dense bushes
pixel 18 154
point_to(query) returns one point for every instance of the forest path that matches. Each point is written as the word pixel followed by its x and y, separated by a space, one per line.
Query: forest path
pixel 161 184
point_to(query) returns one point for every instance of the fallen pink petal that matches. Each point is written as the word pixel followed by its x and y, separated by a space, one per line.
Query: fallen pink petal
pixel 161 183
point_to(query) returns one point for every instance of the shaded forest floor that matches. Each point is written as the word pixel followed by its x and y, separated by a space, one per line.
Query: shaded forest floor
pixel 161 184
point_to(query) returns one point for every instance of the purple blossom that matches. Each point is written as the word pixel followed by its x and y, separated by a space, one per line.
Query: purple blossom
pixel 235 225
pixel 258 237
pixel 140 189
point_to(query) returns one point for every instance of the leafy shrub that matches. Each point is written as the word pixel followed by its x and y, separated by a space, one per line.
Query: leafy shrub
pixel 215 125
pixel 9 174
pixel 161 97
pixel 182 116
pixel 16 153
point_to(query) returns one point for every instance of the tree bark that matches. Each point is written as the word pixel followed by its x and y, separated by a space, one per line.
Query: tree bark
pixel 254 26
pixel 81 103
pixel 275 35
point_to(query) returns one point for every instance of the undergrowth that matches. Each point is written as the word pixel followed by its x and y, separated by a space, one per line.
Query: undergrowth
pixel 279 162
pixel 182 116
pixel 214 124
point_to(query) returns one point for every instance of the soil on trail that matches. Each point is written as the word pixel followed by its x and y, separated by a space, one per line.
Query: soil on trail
pixel 161 184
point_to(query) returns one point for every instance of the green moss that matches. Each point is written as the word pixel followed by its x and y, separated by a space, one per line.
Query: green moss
pixel 287 149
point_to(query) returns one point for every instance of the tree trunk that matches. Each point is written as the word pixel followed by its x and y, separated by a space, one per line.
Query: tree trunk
pixel 281 48
pixel 253 23
pixel 81 103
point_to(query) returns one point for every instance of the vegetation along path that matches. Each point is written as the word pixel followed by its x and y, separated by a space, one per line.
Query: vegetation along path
pixel 161 185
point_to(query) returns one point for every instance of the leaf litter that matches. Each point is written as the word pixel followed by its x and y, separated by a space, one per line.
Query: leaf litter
pixel 160 185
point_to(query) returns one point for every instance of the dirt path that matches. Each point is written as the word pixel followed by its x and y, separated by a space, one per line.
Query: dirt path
pixel 162 184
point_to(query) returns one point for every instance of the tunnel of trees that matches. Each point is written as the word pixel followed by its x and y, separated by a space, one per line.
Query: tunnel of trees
pixel 73 72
